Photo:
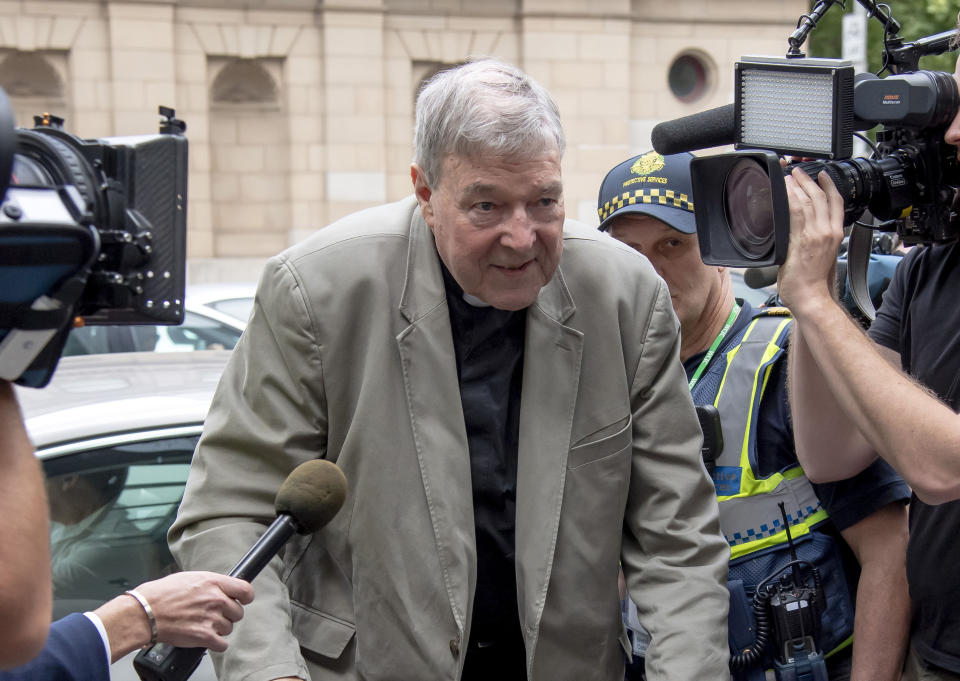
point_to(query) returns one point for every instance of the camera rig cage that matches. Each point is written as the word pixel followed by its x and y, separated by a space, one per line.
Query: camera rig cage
pixel 91 231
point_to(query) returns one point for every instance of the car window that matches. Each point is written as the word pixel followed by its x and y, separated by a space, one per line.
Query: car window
pixel 96 340
pixel 110 509
pixel 238 308
pixel 196 333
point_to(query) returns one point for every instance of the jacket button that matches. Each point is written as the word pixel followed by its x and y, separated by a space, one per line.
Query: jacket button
pixel 455 646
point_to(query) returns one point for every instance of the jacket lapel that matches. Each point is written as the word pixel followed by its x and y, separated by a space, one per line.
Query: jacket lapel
pixel 551 373
pixel 436 416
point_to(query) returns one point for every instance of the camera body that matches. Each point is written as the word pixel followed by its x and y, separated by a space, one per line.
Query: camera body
pixel 90 229
pixel 809 108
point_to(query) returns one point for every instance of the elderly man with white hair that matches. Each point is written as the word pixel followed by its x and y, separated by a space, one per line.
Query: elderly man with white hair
pixel 513 422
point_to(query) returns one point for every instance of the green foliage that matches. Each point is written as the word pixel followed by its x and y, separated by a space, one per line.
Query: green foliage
pixel 918 18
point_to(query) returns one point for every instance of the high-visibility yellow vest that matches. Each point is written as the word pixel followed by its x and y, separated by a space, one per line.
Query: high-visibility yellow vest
pixel 750 516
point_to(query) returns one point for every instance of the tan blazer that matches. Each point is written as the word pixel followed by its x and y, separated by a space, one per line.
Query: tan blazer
pixel 348 356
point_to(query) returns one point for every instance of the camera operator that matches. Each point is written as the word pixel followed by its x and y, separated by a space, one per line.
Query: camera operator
pixel 851 403
pixel 25 592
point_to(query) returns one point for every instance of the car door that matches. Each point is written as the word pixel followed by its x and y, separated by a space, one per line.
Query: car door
pixel 112 499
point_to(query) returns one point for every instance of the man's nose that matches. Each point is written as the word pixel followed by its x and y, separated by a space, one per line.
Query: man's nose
pixel 519 231
pixel 657 265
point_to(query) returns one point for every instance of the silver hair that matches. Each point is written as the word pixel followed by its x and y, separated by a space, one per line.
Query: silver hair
pixel 483 107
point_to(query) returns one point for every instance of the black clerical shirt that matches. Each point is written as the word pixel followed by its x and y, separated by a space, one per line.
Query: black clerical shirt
pixel 489 349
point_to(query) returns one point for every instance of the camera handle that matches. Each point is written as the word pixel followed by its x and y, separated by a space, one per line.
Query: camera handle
pixel 808 22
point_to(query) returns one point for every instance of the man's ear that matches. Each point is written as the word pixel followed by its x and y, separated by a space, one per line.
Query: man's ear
pixel 422 191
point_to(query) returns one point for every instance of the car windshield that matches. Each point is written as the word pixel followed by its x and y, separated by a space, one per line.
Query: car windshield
pixel 238 308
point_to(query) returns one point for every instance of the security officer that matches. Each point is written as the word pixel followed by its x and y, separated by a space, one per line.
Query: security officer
pixel 734 356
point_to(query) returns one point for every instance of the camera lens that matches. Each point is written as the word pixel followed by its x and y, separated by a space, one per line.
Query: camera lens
pixel 27 171
pixel 749 207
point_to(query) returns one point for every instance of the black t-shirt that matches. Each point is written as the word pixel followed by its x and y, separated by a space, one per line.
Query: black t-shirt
pixel 919 319
pixel 489 349
pixel 846 501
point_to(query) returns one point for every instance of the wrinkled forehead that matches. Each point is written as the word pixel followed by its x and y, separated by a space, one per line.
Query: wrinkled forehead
pixel 477 168
pixel 481 151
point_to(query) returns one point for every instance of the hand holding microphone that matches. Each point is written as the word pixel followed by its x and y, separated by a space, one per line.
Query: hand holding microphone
pixel 307 500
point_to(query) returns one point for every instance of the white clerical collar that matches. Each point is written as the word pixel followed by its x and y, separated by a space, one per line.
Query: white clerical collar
pixel 474 301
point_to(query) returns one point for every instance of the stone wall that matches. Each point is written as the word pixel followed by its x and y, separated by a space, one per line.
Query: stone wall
pixel 299 112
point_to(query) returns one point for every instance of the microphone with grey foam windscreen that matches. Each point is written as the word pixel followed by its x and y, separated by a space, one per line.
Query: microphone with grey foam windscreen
pixel 307 500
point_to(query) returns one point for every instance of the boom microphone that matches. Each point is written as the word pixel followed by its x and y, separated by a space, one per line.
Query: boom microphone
pixel 307 500
pixel 710 128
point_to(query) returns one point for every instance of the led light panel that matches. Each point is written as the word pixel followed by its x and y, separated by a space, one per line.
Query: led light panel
pixel 801 107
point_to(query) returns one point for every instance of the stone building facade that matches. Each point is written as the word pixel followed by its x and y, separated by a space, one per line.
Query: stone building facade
pixel 300 111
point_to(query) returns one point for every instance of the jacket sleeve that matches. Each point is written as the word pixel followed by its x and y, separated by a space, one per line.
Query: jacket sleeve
pixel 74 651
pixel 268 415
pixel 674 556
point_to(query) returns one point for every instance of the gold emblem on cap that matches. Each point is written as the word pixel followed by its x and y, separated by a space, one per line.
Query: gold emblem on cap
pixel 650 162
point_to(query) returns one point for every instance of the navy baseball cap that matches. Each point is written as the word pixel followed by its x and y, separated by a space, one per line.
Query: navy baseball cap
pixel 650 184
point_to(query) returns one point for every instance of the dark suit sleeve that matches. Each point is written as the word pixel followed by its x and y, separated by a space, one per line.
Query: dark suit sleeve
pixel 74 652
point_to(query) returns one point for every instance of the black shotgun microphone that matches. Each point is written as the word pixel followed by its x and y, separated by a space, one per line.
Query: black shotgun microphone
pixel 307 500
pixel 710 128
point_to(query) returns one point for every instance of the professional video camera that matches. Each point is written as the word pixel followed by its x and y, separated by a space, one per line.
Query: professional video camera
pixel 810 108
pixel 94 229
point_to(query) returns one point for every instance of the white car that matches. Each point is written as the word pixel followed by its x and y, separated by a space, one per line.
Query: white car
pixel 214 317
pixel 235 300
pixel 115 434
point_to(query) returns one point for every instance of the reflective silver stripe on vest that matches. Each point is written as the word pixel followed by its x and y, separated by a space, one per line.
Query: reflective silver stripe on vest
pixel 749 510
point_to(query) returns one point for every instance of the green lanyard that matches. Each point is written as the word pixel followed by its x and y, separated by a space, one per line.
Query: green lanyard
pixel 716 344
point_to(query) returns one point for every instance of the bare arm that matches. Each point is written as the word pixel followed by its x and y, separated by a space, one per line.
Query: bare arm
pixel 821 426
pixel 916 433
pixel 882 622
pixel 192 609
pixel 25 590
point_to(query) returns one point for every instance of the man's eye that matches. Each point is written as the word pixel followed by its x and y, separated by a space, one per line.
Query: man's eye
pixel 546 203
pixel 485 206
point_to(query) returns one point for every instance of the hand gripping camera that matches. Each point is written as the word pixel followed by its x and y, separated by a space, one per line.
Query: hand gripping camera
pixel 93 230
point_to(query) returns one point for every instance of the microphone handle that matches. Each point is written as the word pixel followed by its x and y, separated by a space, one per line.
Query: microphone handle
pixel 164 662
